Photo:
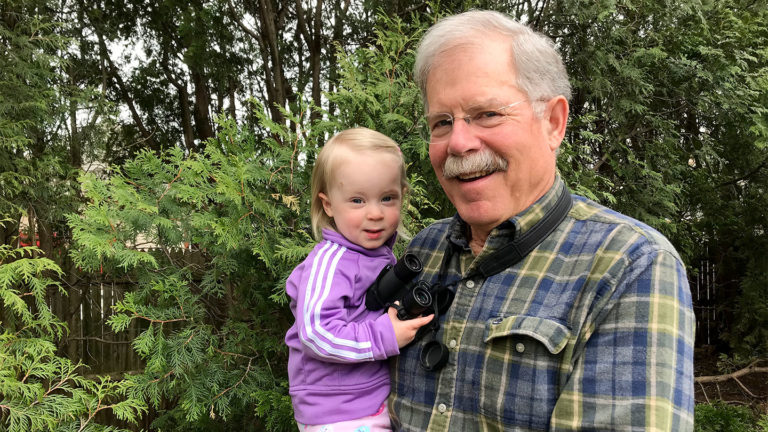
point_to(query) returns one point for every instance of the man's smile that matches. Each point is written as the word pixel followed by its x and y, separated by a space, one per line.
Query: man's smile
pixel 468 177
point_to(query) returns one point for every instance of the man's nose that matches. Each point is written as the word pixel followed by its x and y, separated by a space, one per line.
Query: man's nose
pixel 462 138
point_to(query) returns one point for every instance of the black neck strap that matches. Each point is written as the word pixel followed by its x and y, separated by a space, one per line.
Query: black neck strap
pixel 511 253
pixel 434 354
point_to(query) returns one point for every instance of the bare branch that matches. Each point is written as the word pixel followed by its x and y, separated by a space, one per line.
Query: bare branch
pixel 752 368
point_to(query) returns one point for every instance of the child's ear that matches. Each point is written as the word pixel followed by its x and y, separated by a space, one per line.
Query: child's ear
pixel 326 204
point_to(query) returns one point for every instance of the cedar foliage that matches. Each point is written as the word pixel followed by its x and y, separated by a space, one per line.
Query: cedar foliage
pixel 225 226
pixel 668 124
pixel 41 390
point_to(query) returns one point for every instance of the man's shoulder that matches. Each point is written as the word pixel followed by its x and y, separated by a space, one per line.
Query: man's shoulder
pixel 433 235
pixel 617 227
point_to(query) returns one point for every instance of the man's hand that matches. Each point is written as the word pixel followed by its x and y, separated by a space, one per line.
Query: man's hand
pixel 405 331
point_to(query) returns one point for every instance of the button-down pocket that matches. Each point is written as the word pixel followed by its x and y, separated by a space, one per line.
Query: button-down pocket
pixel 552 334
pixel 521 367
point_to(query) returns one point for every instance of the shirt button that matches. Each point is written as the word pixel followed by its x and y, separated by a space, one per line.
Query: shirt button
pixel 520 347
pixel 470 284
pixel 452 343
pixel 497 321
pixel 442 408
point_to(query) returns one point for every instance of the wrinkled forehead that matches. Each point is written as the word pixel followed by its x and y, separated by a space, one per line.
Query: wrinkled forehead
pixel 474 106
pixel 475 56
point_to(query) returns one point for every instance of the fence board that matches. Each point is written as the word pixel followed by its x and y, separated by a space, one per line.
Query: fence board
pixel 86 309
pixel 704 292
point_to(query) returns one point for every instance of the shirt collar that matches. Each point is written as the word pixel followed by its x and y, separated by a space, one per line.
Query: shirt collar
pixel 512 227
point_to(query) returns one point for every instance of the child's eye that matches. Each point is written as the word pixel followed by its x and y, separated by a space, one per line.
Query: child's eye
pixel 387 198
pixel 357 200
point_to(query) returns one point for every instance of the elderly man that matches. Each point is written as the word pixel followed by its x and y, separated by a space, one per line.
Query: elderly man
pixel 553 312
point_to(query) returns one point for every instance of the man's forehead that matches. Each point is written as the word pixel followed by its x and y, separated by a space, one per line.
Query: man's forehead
pixel 469 77
pixel 482 103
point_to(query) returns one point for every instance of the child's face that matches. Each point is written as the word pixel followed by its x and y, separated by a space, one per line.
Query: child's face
pixel 365 197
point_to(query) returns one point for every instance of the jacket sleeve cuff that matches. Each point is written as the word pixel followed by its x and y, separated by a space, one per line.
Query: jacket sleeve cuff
pixel 387 341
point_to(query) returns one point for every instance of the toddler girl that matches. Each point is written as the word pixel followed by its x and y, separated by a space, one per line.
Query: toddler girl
pixel 337 368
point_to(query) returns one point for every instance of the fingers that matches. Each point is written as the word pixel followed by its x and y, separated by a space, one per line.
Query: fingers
pixel 422 321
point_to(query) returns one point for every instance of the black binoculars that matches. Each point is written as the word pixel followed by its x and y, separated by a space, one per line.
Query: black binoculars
pixel 393 284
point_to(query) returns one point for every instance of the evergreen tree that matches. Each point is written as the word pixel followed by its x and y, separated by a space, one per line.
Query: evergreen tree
pixel 39 389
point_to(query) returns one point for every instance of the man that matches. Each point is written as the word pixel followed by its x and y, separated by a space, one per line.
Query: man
pixel 592 327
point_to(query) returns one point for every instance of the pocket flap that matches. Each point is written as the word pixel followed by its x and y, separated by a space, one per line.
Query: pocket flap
pixel 550 333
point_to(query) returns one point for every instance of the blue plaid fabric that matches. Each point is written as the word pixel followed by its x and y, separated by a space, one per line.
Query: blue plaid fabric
pixel 593 330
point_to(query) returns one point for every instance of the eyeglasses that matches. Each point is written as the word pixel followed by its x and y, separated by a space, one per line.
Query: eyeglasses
pixel 441 124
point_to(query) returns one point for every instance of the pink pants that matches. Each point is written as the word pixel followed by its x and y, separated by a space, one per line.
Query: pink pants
pixel 378 422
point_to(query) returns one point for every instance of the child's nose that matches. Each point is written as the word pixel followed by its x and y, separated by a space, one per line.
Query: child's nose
pixel 375 212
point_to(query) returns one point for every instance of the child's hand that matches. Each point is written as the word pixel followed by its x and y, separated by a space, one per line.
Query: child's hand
pixel 405 331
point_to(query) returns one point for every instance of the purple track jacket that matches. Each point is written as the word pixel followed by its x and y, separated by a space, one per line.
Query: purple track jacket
pixel 337 365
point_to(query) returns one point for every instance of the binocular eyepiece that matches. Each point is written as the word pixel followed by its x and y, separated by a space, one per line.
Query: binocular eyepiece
pixel 392 285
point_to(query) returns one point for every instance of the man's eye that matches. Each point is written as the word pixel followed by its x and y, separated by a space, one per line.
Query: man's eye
pixel 488 118
pixel 442 123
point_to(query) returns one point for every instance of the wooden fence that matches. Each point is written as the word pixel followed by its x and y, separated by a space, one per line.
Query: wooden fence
pixel 86 309
pixel 704 292
pixel 89 303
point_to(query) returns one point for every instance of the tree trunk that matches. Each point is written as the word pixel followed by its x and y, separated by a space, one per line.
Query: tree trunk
pixel 269 45
pixel 266 38
pixel 186 112
pixel 201 111
pixel 114 74
pixel 31 226
pixel 75 147
pixel 340 15
pixel 44 231
pixel 232 109
pixel 186 119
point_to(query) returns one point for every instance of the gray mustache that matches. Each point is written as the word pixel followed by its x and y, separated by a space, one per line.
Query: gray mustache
pixel 484 160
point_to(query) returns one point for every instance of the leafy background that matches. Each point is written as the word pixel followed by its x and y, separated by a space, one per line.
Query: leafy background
pixel 192 127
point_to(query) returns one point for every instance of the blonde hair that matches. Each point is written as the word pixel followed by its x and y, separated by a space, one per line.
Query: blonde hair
pixel 355 140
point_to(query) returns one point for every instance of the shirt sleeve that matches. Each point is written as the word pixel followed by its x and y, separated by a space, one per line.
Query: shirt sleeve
pixel 329 328
pixel 635 371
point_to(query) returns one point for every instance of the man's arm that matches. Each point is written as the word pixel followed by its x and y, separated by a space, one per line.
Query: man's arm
pixel 635 370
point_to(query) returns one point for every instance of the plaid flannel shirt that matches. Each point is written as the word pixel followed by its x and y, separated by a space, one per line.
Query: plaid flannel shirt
pixel 593 330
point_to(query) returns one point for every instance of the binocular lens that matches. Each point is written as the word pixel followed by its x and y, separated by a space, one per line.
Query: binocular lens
pixel 433 356
pixel 422 296
pixel 407 267
pixel 415 302
pixel 391 281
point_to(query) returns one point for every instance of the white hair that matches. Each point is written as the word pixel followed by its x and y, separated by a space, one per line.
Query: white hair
pixel 539 68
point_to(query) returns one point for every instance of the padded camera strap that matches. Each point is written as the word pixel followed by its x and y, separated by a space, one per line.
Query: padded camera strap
pixel 434 354
pixel 511 253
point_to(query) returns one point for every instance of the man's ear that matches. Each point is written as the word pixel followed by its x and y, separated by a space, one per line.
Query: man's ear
pixel 326 204
pixel 555 120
